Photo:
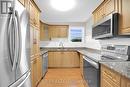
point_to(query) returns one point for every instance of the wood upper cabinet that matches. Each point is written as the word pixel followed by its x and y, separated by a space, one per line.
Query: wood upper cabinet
pixel 125 82
pixel 34 14
pixel 44 33
pixel 109 78
pixel 110 7
pixel 63 59
pixel 107 7
pixel 58 31
pixel 125 17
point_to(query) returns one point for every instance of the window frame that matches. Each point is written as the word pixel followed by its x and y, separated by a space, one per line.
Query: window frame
pixel 76 28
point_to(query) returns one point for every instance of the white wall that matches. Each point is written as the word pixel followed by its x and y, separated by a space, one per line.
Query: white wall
pixel 96 44
pixel 55 42
pixel 89 42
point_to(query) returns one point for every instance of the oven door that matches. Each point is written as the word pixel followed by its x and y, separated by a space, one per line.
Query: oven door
pixel 91 72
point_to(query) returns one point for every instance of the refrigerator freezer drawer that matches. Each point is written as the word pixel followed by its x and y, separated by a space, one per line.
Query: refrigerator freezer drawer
pixel 20 82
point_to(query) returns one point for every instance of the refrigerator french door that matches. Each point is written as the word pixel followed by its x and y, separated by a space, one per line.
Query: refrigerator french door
pixel 14 45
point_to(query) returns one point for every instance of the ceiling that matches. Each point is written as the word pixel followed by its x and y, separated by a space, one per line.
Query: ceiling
pixel 81 12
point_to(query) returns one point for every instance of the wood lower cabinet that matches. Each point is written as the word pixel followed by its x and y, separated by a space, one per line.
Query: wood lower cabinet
pixel 36 70
pixel 39 68
pixel 81 64
pixel 109 78
pixel 125 82
pixel 34 73
pixel 63 59
pixel 125 17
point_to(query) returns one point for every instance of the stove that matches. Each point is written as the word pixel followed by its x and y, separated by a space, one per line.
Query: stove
pixel 115 52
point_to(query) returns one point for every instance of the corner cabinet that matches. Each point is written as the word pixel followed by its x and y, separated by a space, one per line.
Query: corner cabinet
pixel 125 17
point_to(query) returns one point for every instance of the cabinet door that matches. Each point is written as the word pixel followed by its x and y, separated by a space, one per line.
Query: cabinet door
pixel 39 68
pixel 110 7
pixel 63 59
pixel 34 73
pixel 57 31
pixel 31 40
pixel 70 59
pixel 98 14
pixel 37 33
pixel 36 18
pixel 63 32
pixel 55 59
pixel 125 82
pixel 44 34
pixel 36 42
pixel 31 12
pixel 109 78
pixel 125 17
pixel 42 31
pixel 81 64
pixel 22 2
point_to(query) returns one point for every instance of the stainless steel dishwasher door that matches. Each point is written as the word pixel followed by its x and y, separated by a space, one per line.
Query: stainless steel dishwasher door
pixel 45 63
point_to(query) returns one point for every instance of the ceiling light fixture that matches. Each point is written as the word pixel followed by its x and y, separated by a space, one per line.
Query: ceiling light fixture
pixel 63 5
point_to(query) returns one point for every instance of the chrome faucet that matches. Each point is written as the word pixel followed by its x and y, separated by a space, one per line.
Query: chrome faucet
pixel 61 44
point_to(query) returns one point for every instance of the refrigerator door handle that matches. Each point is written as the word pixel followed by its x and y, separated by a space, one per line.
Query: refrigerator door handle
pixel 9 40
pixel 11 43
pixel 16 43
pixel 19 38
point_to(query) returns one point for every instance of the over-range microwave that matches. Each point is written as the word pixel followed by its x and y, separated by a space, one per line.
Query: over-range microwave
pixel 107 27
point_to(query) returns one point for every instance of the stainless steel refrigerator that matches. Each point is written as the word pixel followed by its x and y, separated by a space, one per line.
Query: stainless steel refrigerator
pixel 14 45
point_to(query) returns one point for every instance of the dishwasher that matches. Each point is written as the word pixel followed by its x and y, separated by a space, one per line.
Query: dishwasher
pixel 44 63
